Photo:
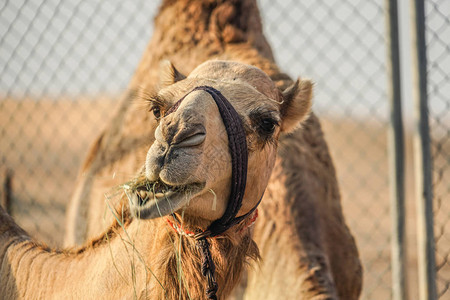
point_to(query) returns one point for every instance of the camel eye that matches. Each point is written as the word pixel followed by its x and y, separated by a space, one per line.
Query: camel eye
pixel 267 126
pixel 156 112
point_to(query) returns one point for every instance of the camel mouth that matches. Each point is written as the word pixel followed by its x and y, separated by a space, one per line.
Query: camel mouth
pixel 152 199
pixel 154 190
pixel 157 190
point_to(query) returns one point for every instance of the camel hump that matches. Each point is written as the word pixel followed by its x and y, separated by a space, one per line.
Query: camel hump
pixel 230 21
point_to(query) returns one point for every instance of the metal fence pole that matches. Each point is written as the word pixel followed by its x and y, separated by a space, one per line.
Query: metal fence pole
pixel 396 155
pixel 422 160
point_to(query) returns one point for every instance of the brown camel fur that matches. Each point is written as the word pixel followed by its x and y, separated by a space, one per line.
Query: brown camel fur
pixel 305 245
pixel 133 259
pixel 187 172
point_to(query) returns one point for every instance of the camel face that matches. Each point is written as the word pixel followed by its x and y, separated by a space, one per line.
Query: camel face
pixel 188 167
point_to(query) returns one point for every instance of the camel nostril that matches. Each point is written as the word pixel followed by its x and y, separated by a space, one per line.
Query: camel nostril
pixel 190 136
pixel 191 140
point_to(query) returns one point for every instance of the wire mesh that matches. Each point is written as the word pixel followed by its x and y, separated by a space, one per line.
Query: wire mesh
pixel 341 45
pixel 438 51
pixel 64 64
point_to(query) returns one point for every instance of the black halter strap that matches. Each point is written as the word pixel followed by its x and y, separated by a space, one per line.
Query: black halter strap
pixel 239 160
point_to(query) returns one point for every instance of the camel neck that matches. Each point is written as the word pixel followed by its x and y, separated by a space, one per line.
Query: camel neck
pixel 141 257
pixel 230 252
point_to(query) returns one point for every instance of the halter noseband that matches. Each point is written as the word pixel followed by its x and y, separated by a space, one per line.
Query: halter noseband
pixel 239 160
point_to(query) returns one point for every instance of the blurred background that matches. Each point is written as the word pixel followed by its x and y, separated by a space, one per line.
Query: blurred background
pixel 65 63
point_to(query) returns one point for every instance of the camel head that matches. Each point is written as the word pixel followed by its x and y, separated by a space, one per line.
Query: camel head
pixel 188 167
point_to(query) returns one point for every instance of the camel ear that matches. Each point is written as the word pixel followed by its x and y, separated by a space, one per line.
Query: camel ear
pixel 169 74
pixel 297 100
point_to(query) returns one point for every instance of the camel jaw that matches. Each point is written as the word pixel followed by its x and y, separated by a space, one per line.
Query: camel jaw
pixel 154 199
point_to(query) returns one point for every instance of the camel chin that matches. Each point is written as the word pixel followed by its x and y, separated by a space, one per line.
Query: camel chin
pixel 154 199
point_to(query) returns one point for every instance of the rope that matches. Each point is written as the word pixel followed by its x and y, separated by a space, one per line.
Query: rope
pixel 208 268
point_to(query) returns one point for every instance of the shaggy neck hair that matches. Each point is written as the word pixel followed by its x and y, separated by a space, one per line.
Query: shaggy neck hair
pixel 230 251
pixel 176 263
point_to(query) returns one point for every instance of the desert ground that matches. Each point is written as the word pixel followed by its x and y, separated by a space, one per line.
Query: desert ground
pixel 43 143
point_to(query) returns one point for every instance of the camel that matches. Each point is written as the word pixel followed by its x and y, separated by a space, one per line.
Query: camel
pixel 188 176
pixel 306 247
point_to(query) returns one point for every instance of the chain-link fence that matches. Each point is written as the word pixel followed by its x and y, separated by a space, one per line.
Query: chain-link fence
pixel 341 45
pixel 438 49
pixel 65 63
